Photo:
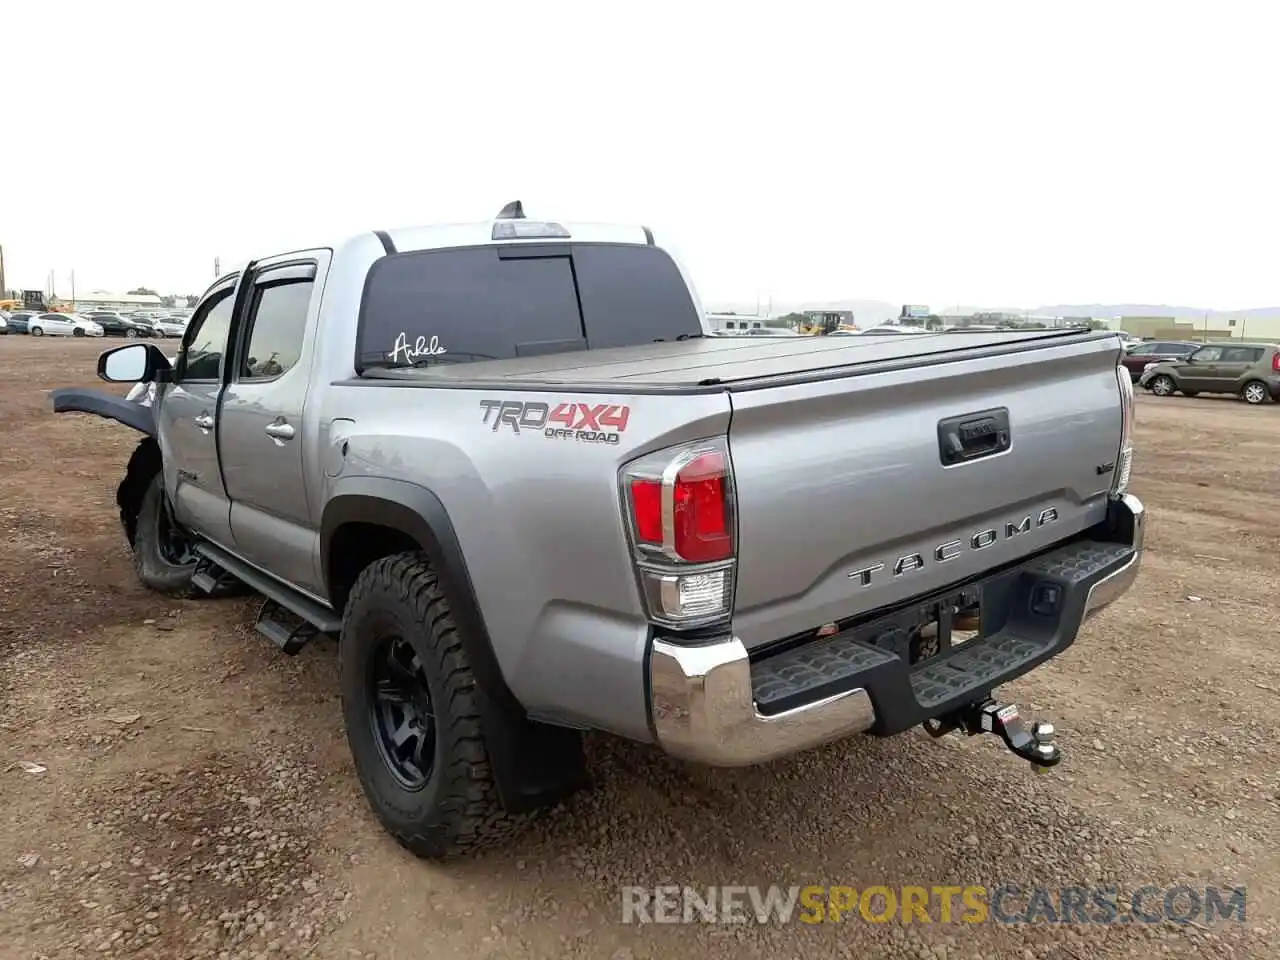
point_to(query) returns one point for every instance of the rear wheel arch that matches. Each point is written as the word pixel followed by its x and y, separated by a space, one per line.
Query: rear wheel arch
pixel 370 518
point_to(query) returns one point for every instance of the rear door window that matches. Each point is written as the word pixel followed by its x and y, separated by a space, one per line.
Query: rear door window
pixel 1241 354
pixel 278 320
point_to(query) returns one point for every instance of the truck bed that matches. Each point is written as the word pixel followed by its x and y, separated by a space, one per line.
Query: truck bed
pixel 733 363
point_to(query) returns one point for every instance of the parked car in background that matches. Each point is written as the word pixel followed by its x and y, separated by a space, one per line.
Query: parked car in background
pixel 115 325
pixel 63 325
pixel 1250 371
pixel 4 323
pixel 169 326
pixel 18 321
pixel 1141 355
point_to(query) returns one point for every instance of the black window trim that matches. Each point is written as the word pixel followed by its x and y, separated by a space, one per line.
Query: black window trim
pixel 505 250
pixel 275 275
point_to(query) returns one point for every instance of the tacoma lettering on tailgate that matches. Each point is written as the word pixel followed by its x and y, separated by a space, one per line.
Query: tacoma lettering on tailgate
pixel 585 422
pixel 951 549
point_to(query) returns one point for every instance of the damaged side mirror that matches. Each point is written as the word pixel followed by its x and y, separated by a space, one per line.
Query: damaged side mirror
pixel 134 363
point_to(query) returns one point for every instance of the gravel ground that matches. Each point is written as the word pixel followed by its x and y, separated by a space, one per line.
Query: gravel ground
pixel 196 798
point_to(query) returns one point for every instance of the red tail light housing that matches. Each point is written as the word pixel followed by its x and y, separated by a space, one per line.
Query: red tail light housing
pixel 1275 362
pixel 687 511
pixel 680 507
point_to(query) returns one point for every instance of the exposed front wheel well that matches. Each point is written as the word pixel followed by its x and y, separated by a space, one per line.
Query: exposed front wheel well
pixel 144 464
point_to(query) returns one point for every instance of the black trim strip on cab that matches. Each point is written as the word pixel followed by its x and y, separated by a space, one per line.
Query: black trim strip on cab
pixel 385 237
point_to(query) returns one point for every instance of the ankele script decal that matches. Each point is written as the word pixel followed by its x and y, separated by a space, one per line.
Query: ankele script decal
pixel 407 352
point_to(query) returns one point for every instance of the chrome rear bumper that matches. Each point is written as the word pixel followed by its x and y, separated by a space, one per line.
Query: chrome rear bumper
pixel 701 698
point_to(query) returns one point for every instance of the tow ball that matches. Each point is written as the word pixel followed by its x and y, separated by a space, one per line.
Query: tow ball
pixel 1033 742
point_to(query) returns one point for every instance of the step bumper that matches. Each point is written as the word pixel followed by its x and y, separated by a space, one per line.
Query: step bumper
pixel 713 703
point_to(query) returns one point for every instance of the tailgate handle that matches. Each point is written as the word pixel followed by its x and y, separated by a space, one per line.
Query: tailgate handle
pixel 972 436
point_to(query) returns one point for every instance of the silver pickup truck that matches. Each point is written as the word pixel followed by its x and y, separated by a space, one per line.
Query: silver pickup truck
pixel 505 464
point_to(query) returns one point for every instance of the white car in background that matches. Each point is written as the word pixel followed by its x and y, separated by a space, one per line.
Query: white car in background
pixel 63 325
pixel 169 326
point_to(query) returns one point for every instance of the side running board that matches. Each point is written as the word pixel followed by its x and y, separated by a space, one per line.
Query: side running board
pixel 323 619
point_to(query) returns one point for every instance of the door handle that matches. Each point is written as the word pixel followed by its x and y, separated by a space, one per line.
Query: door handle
pixel 279 431
pixel 204 421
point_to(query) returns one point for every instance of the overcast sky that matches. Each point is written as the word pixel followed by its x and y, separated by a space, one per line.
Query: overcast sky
pixel 1008 153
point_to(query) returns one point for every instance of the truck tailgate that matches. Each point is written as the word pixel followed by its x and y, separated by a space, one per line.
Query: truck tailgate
pixel 845 504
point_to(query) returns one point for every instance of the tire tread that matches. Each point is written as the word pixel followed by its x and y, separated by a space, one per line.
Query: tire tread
pixel 473 814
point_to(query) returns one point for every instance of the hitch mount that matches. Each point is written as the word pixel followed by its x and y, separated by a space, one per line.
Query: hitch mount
pixel 1033 742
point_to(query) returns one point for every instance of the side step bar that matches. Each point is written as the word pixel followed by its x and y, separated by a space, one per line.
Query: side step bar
pixel 323 619
pixel 284 628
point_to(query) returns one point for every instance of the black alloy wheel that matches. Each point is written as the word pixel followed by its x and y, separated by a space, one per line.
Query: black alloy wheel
pixel 401 713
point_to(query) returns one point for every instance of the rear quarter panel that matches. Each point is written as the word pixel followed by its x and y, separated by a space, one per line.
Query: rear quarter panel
pixel 539 522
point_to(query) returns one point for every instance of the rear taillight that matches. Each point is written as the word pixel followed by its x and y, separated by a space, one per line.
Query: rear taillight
pixel 680 511
pixel 1275 362
pixel 1124 459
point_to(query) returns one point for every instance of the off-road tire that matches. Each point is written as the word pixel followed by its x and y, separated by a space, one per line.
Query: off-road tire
pixel 1255 392
pixel 1163 379
pixel 154 570
pixel 458 810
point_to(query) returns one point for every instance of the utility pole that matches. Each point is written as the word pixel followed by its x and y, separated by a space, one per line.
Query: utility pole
pixel 4 290
pixel 73 288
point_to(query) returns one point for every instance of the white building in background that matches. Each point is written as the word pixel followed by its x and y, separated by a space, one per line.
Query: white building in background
pixel 733 322
pixel 116 302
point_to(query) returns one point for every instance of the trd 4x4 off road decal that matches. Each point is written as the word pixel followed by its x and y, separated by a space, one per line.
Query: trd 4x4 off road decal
pixel 586 422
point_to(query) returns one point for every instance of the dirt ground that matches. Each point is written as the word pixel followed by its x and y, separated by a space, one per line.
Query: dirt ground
pixel 198 801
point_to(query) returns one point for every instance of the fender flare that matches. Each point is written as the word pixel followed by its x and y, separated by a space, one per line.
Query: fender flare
pixel 534 764
pixel 416 511
pixel 140 417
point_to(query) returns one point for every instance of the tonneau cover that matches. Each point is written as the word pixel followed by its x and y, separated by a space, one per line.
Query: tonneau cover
pixel 719 362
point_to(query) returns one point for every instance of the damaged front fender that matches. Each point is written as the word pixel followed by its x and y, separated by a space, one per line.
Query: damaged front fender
pixel 132 413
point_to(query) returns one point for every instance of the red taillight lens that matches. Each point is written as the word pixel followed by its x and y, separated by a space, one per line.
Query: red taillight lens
pixel 702 524
pixel 646 505
pixel 682 512
pixel 1275 361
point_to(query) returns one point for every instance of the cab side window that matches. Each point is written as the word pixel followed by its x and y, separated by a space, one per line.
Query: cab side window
pixel 206 341
pixel 277 322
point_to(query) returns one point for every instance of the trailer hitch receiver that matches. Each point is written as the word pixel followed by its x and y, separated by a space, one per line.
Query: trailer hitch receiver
pixel 1031 741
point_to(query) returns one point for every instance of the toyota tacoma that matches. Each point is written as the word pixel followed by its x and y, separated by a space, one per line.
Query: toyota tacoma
pixel 506 467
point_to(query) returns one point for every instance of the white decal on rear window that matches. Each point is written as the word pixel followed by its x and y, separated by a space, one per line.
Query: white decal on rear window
pixel 408 352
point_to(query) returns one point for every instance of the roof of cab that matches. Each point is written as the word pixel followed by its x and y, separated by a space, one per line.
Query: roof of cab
pixel 481 233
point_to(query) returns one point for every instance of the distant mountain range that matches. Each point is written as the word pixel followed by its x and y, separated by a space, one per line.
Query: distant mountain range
pixel 869 312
